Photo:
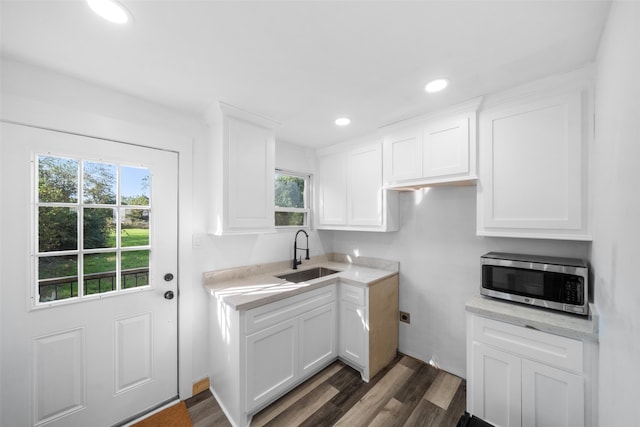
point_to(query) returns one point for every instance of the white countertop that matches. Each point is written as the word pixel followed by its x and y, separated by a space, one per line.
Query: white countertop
pixel 564 324
pixel 258 285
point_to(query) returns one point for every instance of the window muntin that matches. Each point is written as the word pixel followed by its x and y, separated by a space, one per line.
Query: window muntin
pixel 292 207
pixel 93 244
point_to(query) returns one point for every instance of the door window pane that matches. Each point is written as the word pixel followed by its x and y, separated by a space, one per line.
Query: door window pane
pixel 100 273
pixel 135 227
pixel 135 269
pixel 99 183
pixel 57 180
pixel 57 277
pixel 99 228
pixel 134 186
pixel 57 228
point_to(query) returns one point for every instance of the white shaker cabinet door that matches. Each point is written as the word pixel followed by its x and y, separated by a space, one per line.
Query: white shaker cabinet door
pixel 551 397
pixel 533 179
pixel 272 356
pixel 445 148
pixel 250 189
pixel 318 341
pixel 332 189
pixel 496 386
pixel 402 157
pixel 353 333
pixel 364 170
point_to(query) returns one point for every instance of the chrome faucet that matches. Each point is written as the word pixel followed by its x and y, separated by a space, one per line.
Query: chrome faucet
pixel 296 263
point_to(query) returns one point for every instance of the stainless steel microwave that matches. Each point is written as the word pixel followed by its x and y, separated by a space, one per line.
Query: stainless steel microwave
pixel 549 282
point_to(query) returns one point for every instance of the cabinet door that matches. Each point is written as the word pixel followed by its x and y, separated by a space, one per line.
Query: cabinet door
pixel 402 157
pixel 364 180
pixel 272 356
pixel 250 174
pixel 445 148
pixel 496 386
pixel 318 341
pixel 332 189
pixel 533 170
pixel 551 397
pixel 353 330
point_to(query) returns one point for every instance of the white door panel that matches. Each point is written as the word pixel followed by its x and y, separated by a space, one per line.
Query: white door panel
pixel 95 360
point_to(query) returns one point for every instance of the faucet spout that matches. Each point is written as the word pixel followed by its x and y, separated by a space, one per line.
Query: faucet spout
pixel 295 262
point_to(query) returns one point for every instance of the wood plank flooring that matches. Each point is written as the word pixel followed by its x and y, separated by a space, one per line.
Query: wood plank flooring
pixel 408 393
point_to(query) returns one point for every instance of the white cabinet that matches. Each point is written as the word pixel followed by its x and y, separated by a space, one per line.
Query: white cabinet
pixel 318 340
pixel 262 353
pixel 432 150
pixel 353 334
pixel 332 189
pixel 349 190
pixel 523 377
pixel 551 397
pixel 368 318
pixel 272 356
pixel 533 155
pixel 243 167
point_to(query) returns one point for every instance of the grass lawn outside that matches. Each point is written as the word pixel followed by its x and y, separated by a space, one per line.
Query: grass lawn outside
pixel 66 266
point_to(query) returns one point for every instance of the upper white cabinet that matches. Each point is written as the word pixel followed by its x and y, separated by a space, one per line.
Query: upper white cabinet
pixel 243 166
pixel 533 167
pixel 349 190
pixel 431 150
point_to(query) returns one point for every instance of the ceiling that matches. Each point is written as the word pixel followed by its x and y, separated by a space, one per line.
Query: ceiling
pixel 305 63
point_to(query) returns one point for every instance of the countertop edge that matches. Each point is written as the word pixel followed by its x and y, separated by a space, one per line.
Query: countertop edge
pixel 565 325
pixel 271 289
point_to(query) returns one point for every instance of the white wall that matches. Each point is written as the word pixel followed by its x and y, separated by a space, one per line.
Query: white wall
pixel 617 214
pixel 439 257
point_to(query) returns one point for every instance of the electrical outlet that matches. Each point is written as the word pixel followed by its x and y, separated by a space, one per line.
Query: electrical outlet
pixel 405 317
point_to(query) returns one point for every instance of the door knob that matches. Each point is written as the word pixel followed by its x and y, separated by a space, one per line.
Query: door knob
pixel 168 295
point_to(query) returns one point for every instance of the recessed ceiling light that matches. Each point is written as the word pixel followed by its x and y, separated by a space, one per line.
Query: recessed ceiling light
pixel 110 10
pixel 343 121
pixel 436 85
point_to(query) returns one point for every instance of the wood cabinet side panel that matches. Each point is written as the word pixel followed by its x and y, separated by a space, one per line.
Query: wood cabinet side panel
pixel 383 324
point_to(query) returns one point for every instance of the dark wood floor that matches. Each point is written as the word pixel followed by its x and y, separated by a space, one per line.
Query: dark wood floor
pixel 406 393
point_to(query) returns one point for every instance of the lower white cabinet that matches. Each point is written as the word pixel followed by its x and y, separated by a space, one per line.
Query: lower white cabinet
pixel 550 396
pixel 262 353
pixel 279 356
pixel 272 356
pixel 353 333
pixel 368 332
pixel 318 339
pixel 523 377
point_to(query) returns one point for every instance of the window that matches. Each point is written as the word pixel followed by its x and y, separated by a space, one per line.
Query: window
pixel 92 231
pixel 291 199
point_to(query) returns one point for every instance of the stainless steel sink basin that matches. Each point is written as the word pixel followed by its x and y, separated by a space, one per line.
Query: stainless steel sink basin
pixel 310 274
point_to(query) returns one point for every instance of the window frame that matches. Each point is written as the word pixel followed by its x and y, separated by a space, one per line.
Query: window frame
pixel 119 209
pixel 307 198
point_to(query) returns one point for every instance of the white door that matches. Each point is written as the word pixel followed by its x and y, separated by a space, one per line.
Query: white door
pixel 89 259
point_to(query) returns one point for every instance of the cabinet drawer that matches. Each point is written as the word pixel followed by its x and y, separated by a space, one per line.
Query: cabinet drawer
pixel 271 314
pixel 352 293
pixel 535 345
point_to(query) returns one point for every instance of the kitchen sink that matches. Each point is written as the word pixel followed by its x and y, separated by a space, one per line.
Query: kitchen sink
pixel 310 274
